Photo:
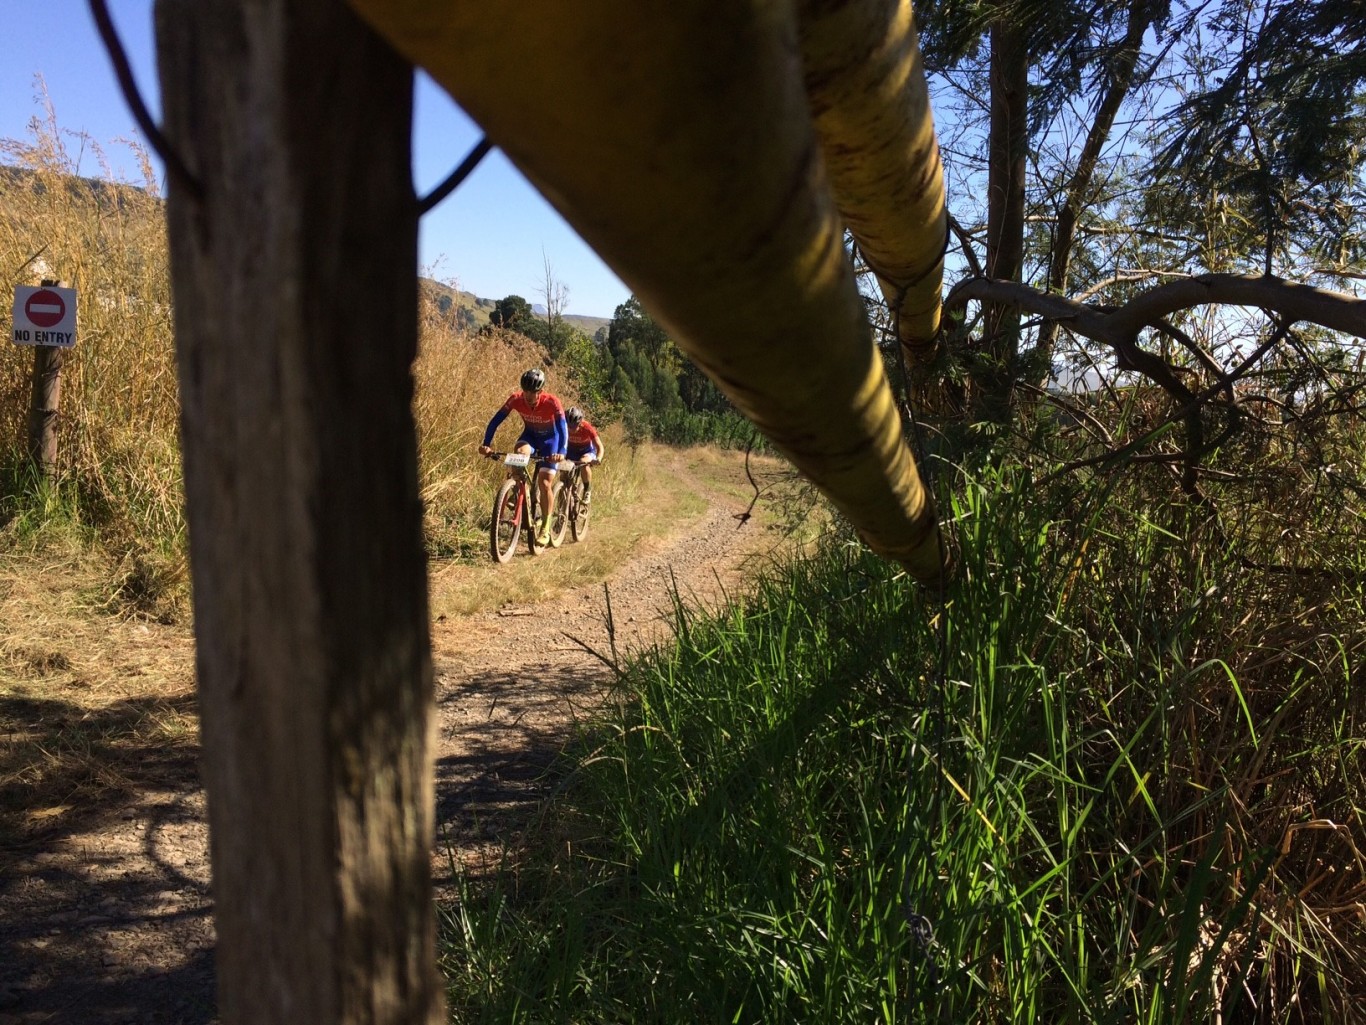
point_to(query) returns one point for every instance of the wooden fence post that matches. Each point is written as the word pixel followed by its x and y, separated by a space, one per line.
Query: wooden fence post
pixel 47 394
pixel 305 518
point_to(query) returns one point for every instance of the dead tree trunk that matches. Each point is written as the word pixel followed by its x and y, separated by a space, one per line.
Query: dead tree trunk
pixel 1121 77
pixel 293 254
pixel 1008 152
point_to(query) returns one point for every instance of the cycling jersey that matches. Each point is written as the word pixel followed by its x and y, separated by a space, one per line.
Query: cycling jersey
pixel 583 441
pixel 584 436
pixel 543 421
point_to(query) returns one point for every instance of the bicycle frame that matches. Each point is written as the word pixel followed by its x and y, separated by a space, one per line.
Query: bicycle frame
pixel 514 507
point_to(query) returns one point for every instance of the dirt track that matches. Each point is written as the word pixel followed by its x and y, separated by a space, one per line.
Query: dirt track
pixel 113 924
pixel 506 706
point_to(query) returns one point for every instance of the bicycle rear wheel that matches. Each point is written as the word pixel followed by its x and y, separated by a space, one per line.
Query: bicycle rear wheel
pixel 506 525
pixel 578 509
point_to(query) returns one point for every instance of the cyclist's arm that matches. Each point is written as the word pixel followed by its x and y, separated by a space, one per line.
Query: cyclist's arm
pixel 596 439
pixel 498 418
pixel 561 434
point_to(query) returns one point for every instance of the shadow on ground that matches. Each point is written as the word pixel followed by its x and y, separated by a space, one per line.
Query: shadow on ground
pixel 103 865
pixel 105 910
pixel 508 729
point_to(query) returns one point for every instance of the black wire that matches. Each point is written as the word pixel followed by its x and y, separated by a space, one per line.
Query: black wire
pixel 175 167
pixel 457 176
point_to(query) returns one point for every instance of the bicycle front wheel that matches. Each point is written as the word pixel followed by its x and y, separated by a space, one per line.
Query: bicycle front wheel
pixel 559 516
pixel 506 525
pixel 533 519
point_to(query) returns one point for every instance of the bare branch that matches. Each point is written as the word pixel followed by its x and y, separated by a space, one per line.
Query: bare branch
pixel 1295 302
pixel 965 241
pixel 1120 327
pixel 1128 274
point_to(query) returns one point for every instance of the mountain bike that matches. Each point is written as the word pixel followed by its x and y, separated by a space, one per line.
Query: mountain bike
pixel 516 507
pixel 570 507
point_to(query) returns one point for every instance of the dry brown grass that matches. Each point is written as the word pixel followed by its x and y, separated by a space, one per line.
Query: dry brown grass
pixel 638 494
pixel 117 431
pixel 96 696
pixel 93 707
pixel 462 378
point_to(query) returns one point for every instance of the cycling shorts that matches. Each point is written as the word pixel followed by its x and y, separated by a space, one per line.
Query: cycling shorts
pixel 577 452
pixel 541 448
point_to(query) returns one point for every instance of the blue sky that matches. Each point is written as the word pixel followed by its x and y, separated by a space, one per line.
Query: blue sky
pixel 490 238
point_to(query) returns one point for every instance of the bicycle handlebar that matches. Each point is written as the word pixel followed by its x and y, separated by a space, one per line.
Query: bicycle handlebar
pixel 532 458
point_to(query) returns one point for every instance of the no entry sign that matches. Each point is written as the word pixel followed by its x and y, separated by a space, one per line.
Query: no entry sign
pixel 45 308
pixel 44 316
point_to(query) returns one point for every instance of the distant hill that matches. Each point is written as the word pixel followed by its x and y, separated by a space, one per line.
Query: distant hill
pixel 111 194
pixel 588 325
pixel 461 308
pixel 468 310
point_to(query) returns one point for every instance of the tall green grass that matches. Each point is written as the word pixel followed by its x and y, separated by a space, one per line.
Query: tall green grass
pixel 1090 784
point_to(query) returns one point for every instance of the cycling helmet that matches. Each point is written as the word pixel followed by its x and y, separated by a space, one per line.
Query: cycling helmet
pixel 533 380
pixel 573 416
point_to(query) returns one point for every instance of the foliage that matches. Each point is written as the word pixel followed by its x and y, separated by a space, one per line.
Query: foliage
pixel 724 429
pixel 645 362
pixel 1223 138
pixel 658 390
pixel 1073 43
pixel 513 313
pixel 1277 122
pixel 1119 776
pixel 581 359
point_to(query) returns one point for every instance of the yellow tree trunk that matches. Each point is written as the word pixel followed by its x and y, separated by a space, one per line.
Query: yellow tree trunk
pixel 868 95
pixel 678 140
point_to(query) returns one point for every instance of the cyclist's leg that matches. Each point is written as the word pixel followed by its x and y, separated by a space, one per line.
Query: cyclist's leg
pixel 542 447
pixel 583 455
pixel 529 444
pixel 587 472
pixel 545 479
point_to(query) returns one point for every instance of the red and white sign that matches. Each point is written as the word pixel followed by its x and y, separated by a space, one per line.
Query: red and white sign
pixel 44 316
pixel 45 308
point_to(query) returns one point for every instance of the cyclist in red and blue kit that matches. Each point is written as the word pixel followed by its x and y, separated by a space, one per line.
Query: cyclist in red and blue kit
pixel 585 446
pixel 544 434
